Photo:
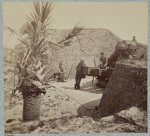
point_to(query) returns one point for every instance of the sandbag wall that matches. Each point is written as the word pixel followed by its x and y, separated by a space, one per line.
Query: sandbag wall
pixel 127 87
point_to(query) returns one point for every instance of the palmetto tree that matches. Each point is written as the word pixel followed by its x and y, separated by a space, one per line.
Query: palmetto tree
pixel 31 56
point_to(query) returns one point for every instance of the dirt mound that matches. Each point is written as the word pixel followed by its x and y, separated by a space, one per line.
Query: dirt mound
pixel 87 46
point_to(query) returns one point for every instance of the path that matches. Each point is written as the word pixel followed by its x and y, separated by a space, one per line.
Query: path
pixel 88 95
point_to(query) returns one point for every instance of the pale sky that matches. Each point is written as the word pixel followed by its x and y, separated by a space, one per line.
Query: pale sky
pixel 124 19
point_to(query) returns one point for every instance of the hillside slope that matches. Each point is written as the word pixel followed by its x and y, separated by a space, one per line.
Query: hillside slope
pixel 88 46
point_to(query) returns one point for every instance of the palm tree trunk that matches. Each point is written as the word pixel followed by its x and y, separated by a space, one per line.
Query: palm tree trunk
pixel 31 107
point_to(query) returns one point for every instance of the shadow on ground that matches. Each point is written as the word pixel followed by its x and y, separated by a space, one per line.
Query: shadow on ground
pixel 87 87
pixel 88 108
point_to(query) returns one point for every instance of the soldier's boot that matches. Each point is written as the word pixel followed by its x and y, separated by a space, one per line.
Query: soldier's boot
pixel 75 86
pixel 78 86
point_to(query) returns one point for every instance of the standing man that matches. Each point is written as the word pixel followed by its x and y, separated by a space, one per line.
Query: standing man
pixel 103 60
pixel 134 39
pixel 79 74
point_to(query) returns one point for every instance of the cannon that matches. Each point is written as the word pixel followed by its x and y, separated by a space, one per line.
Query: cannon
pixel 124 50
pixel 102 75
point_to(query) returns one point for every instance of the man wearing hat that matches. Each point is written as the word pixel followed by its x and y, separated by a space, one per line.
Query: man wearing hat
pixel 79 74
pixel 103 60
pixel 134 39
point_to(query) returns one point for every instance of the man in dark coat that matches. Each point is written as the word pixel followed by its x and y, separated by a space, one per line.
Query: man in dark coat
pixel 134 39
pixel 103 60
pixel 79 74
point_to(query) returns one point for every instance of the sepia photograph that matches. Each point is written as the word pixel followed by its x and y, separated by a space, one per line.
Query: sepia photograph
pixel 75 67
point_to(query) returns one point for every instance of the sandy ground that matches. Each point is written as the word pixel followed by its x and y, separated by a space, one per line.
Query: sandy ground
pixel 65 110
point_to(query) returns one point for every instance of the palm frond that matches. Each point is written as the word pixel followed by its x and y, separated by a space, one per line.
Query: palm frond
pixel 46 10
pixel 37 9
pixel 28 28
pixel 11 30
pixel 74 32
pixel 25 43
